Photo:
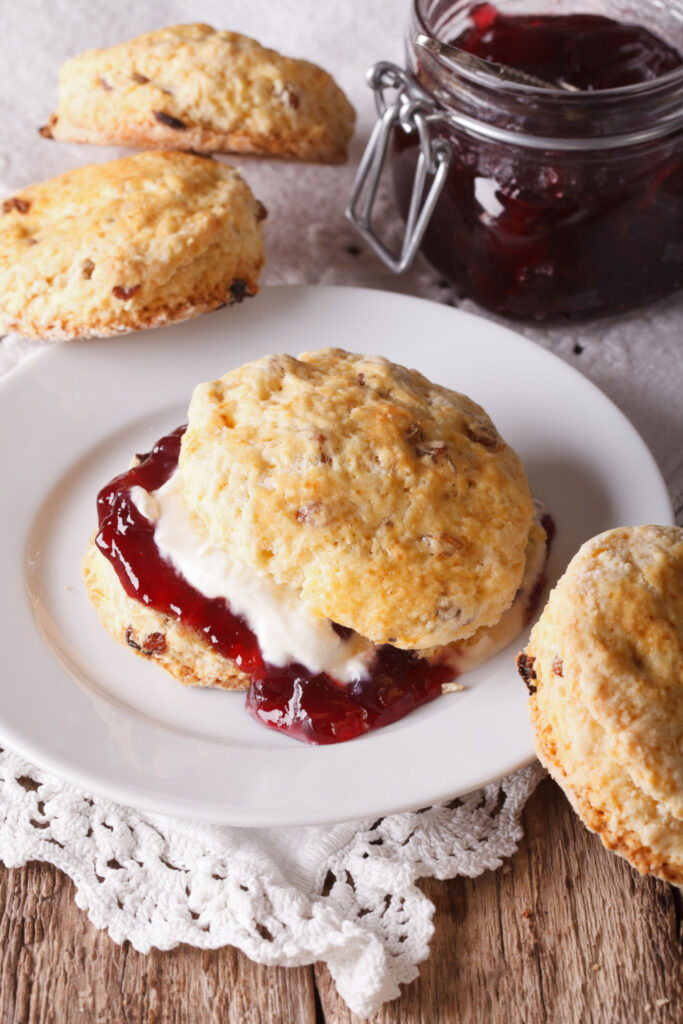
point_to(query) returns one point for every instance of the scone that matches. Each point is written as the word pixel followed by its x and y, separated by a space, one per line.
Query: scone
pixel 390 504
pixel 191 87
pixel 140 242
pixel 334 532
pixel 604 666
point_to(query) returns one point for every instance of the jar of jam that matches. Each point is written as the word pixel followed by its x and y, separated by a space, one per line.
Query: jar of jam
pixel 562 199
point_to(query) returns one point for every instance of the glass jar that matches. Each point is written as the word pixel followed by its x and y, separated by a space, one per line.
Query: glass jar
pixel 536 203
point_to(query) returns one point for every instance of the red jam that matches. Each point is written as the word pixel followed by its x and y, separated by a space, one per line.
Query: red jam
pixel 588 51
pixel 308 707
pixel 536 233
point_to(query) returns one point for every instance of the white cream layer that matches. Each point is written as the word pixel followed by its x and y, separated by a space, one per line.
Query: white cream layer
pixel 286 630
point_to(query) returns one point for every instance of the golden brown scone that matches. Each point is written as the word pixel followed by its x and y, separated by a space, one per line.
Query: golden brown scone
pixel 115 247
pixel 605 668
pixel 574 749
pixel 191 87
pixel 180 650
pixel 390 504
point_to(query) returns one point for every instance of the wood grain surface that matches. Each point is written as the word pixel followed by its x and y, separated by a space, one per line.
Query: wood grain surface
pixel 564 933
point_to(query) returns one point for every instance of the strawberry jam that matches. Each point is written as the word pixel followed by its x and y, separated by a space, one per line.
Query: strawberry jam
pixel 587 51
pixel 556 204
pixel 310 707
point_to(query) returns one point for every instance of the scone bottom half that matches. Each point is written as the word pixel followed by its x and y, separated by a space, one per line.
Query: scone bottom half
pixel 604 672
pixel 194 88
pixel 145 241
pixel 173 593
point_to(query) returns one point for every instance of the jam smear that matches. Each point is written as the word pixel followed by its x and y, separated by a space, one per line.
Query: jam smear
pixel 546 234
pixel 126 538
pixel 310 707
pixel 588 51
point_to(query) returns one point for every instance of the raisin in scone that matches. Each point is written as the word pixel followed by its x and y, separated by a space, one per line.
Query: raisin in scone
pixel 604 666
pixel 390 504
pixel 140 242
pixel 192 87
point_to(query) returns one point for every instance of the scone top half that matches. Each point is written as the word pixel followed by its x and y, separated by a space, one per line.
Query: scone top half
pixel 391 504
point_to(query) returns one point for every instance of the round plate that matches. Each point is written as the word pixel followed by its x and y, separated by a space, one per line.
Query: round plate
pixel 79 704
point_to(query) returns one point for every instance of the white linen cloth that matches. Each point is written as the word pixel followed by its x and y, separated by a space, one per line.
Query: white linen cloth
pixel 346 894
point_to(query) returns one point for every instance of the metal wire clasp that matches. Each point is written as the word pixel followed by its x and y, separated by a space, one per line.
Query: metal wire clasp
pixel 413 111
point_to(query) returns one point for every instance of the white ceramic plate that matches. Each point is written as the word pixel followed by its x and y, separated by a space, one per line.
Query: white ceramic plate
pixel 77 703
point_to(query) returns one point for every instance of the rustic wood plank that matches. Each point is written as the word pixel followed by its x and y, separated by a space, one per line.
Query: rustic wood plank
pixel 569 933
pixel 56 968
pixel 514 946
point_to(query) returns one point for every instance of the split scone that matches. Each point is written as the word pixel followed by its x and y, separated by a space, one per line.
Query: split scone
pixel 333 532
pixel 604 667
pixel 191 87
pixel 140 242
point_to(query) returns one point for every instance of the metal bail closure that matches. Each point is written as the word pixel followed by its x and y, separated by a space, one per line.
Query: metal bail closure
pixel 413 111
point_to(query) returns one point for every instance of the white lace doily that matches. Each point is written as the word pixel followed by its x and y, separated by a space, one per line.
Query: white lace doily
pixel 346 894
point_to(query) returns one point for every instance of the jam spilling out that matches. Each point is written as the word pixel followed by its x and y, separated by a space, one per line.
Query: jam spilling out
pixel 308 707
pixel 548 234
pixel 588 51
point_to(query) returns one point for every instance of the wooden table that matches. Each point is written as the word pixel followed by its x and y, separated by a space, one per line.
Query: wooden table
pixel 564 933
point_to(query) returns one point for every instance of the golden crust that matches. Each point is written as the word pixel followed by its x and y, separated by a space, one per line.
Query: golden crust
pixel 631 652
pixel 391 504
pixel 572 747
pixel 140 242
pixel 152 635
pixel 191 87
pixel 603 653
pixel 617 622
